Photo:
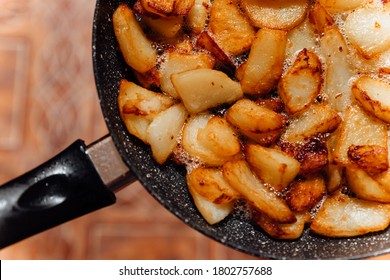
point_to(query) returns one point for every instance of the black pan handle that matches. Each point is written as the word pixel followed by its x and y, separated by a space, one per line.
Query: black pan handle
pixel 65 187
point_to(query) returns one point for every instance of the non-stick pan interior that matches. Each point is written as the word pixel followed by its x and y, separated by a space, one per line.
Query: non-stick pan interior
pixel 167 183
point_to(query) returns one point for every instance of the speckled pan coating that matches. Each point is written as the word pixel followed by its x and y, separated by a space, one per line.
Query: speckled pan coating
pixel 167 183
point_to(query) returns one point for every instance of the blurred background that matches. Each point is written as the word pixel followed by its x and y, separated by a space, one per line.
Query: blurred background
pixel 48 100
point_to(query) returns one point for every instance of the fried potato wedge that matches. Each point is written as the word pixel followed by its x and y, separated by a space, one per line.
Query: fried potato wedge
pixel 344 216
pixel 194 146
pixel 139 106
pixel 302 83
pixel 264 67
pixel 198 16
pixel 177 62
pixel 136 48
pixel 167 7
pixel 341 5
pixel 301 37
pixel 230 28
pixel 365 187
pixel 213 213
pixel 338 71
pixel 276 230
pixel 304 194
pixel 359 129
pixel 164 131
pixel 273 166
pixel 320 18
pixel 368 29
pixel 167 27
pixel 374 96
pixel 242 179
pixel 317 119
pixel 371 158
pixel 255 121
pixel 220 137
pixel 202 89
pixel 275 14
pixel 212 185
pixel 334 172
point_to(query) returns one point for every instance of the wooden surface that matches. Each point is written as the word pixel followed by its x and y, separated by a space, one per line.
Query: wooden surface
pixel 47 100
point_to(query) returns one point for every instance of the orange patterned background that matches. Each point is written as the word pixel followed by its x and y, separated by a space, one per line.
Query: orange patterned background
pixel 47 100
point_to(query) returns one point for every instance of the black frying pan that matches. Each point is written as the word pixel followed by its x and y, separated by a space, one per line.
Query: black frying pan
pixel 69 185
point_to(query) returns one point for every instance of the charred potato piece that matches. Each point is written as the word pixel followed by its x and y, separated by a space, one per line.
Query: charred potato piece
pixel 241 178
pixel 136 48
pixel 230 28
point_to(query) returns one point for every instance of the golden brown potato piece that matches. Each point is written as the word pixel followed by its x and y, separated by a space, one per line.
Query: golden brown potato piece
pixel 256 122
pixel 168 27
pixel 373 95
pixel 334 172
pixel 305 193
pixel 164 131
pixel 302 83
pixel 366 187
pixel 136 48
pixel 139 106
pixel 318 119
pixel 202 149
pixel 275 14
pixel 264 67
pixel 202 89
pixel 359 129
pixel 273 166
pixel 240 177
pixel 371 158
pixel 321 19
pixel 344 216
pixel 231 29
pixel 276 230
pixel 338 71
pixel 167 8
pixel 220 137
pixel 368 29
pixel 212 185
pixel 177 62
pixel 198 16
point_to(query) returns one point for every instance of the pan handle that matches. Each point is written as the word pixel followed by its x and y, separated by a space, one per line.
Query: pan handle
pixel 65 187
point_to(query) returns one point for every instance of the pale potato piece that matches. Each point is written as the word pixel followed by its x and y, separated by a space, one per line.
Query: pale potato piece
pixel 183 7
pixel 338 71
pixel 264 66
pixel 318 118
pixel 305 193
pixel 320 18
pixel 136 48
pixel 301 84
pixel 167 27
pixel 177 62
pixel 341 5
pixel 273 166
pixel 219 137
pixel 343 216
pixel 275 14
pixel 255 121
pixel 202 89
pixel 301 37
pixel 240 177
pixel 374 96
pixel 212 185
pixel 365 187
pixel 288 231
pixel 230 28
pixel 191 144
pixel 164 131
pixel 213 213
pixel 334 172
pixel 198 16
pixel 138 106
pixel 368 29
pixel 359 129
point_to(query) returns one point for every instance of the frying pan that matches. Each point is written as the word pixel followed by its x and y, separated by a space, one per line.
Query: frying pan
pixel 82 179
